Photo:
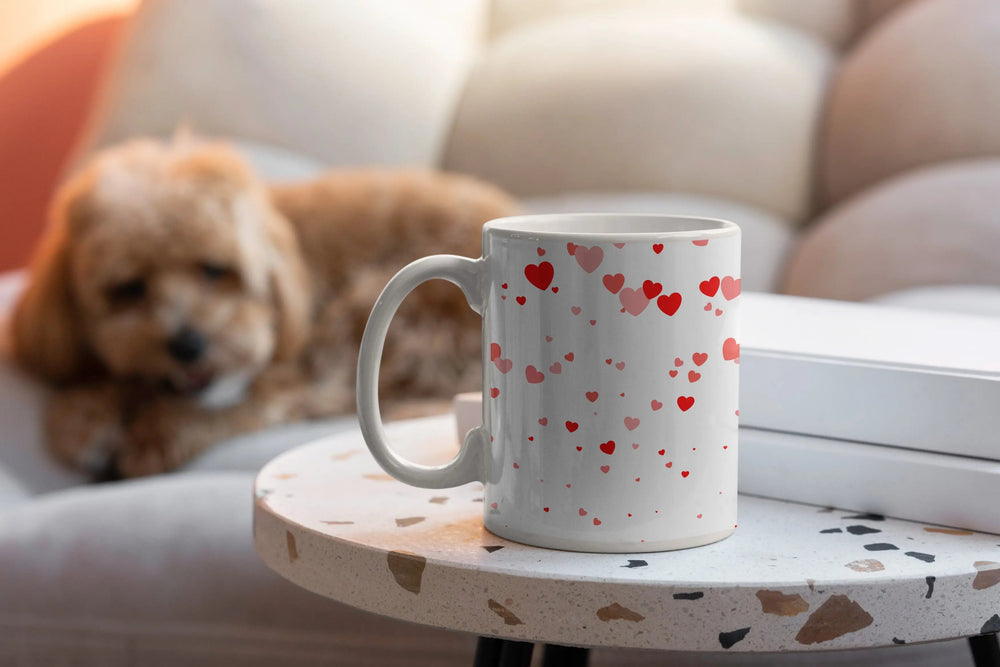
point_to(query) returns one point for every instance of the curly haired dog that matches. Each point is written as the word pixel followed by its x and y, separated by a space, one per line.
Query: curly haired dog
pixel 176 299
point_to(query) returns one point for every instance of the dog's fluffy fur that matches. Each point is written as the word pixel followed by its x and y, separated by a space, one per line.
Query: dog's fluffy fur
pixel 176 300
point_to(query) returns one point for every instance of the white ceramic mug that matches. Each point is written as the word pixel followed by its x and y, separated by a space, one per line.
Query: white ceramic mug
pixel 610 380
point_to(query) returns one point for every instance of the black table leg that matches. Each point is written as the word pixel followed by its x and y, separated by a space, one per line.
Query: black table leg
pixel 985 650
pixel 565 656
pixel 502 653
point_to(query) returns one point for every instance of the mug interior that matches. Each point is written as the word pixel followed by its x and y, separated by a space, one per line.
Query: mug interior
pixel 623 226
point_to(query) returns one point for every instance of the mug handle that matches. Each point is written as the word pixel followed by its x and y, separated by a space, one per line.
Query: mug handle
pixel 467 466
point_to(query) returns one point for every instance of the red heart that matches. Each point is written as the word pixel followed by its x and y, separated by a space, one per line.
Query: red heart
pixel 504 286
pixel 618 245
pixel 670 464
pixel 631 423
pixel 608 361
pixel 555 368
pixel 605 469
pixel 669 303
pixel 699 358
pixel 730 349
pixel 589 258
pixel 579 449
pixel 545 509
pixel 730 287
pixel 709 287
pixel 651 289
pixel 533 375
pixel 678 362
pixel 555 290
pixel 494 392
pixel 655 404
pixel 494 351
pixel 541 251
pixel 548 339
pixel 517 467
pixel 613 283
pixel 608 447
pixel 592 396
pixel 569 356
pixel 572 426
pixel 657 248
pixel 685 473
pixel 634 301
pixel 503 365
pixel 635 445
pixel 544 421
pixel 520 300
pixel 597 522
pixel 620 365
pixel 662 452
pixel 493 505
pixel 571 248
pixel 693 377
pixel 685 402
pixel 701 242
pixel 673 374
pixel 593 322
pixel 699 516
pixel 583 512
pixel 539 275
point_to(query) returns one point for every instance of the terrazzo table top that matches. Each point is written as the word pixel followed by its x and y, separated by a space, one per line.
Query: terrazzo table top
pixel 792 577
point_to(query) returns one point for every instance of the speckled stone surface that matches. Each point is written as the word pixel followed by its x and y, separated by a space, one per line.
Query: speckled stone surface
pixel 792 577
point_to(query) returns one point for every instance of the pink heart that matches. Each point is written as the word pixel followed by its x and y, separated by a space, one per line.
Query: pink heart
pixel 592 396
pixel 605 469
pixel 589 258
pixel 730 349
pixel 701 242
pixel 631 423
pixel 699 358
pixel 708 306
pixel 544 421
pixel 583 512
pixel 730 287
pixel 494 351
pixel 635 445
pixel 693 377
pixel 619 245
pixel 576 310
pixel 533 375
pixel 655 404
pixel 620 365
pixel 555 368
pixel 503 365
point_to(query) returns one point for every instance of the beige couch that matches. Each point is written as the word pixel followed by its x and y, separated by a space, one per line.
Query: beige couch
pixel 855 141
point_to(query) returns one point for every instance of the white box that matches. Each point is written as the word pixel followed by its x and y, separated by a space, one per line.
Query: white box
pixel 871 373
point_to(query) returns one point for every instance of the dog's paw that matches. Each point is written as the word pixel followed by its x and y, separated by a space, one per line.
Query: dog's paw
pixel 84 431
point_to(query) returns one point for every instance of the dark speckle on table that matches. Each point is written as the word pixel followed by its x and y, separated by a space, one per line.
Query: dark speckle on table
pixel 991 625
pixel 866 517
pixel 831 530
pixel 636 563
pixel 493 548
pixel 729 639
pixel 927 558
pixel 898 641
pixel 881 546
pixel 689 596
pixel 930 586
pixel 862 530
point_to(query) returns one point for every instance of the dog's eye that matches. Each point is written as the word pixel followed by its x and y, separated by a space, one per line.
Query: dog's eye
pixel 127 292
pixel 214 271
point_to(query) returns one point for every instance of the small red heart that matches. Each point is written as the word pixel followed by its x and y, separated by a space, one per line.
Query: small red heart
pixel 503 297
pixel 597 522
pixel 605 469
pixel 613 283
pixel 655 404
pixel 593 322
pixel 737 413
pixel 699 516
pixel 618 245
pixel 571 248
pixel 631 423
pixel 520 300
pixel 540 275
pixel 531 438
pixel 635 445
pixel 699 358
pixel 544 421
pixel 555 368
pixel 608 447
pixel 678 362
pixel 582 511
pixel 533 375
pixel 493 505
pixel 700 242
pixel 669 303
pixel 555 290
pixel 685 473
pixel 592 396
pixel 620 365
pixel 670 464
pixel 568 357
pixel 608 361
pixel 576 310
pixel 685 402
pixel 708 306
pixel 636 479
pixel 622 394
pixel 572 426
pixel 730 349
pixel 630 514
pixel 709 287
pixel 662 452
pixel 540 251
pixel 651 289
pixel 693 376
pixel 516 467
pixel 673 374
pixel 504 286
pixel 657 248
pixel 494 392
pixel 725 446
pixel 545 509
pixel 494 351
pixel 579 449
pixel 548 339
pixel 730 287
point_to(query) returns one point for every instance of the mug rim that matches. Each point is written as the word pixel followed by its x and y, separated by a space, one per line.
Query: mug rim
pixel 533 226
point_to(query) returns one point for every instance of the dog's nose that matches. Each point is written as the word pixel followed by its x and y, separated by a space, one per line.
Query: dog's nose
pixel 187 345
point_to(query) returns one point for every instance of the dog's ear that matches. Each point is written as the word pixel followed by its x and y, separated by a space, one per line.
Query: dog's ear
pixel 290 287
pixel 45 332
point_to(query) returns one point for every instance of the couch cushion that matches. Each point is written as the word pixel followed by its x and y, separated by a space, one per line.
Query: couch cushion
pixel 934 226
pixel 646 100
pixel 341 81
pixel 923 86
pixel 766 238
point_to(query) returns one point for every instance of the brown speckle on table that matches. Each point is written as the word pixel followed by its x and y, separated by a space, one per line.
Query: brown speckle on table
pixel 866 565
pixel 615 611
pixel 407 569
pixel 338 523
pixel 293 551
pixel 379 477
pixel 286 475
pixel 779 604
pixel 838 616
pixel 439 500
pixel 947 531
pixel 989 574
pixel 509 618
pixel 408 521
pixel 345 455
